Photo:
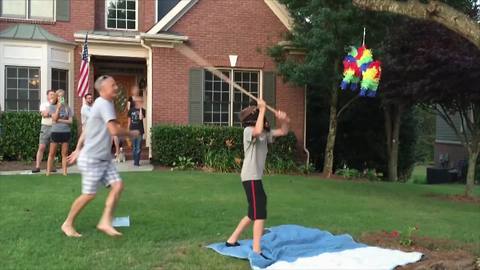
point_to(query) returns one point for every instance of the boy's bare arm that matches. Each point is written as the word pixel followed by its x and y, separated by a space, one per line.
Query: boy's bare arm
pixel 284 121
pixel 261 116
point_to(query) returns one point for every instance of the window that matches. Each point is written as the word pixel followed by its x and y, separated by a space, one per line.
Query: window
pixel 121 14
pixel 60 81
pixel 222 103
pixel 27 9
pixel 23 88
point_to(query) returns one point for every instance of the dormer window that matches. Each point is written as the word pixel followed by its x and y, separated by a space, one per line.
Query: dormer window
pixel 121 14
pixel 27 9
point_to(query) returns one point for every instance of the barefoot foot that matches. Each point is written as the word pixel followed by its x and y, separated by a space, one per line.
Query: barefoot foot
pixel 69 231
pixel 108 230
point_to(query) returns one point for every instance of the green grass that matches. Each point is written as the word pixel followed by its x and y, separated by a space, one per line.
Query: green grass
pixel 175 214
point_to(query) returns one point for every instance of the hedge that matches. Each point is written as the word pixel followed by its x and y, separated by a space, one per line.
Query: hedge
pixel 19 133
pixel 219 148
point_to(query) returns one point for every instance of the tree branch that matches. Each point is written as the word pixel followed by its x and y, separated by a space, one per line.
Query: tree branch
pixel 433 11
pixel 345 106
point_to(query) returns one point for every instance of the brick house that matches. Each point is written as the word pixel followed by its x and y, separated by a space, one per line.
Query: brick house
pixel 134 41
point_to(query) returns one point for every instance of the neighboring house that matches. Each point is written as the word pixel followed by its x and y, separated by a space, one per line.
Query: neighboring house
pixel 134 41
pixel 449 150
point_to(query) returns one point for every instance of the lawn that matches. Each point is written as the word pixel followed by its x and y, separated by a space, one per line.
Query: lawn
pixel 175 214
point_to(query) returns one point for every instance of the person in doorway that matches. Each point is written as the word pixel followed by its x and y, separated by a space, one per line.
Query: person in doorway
pixel 136 116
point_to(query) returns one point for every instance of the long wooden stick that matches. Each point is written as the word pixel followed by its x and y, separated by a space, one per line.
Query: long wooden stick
pixel 192 55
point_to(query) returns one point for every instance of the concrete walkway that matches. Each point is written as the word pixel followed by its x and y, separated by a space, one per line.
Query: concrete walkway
pixel 127 166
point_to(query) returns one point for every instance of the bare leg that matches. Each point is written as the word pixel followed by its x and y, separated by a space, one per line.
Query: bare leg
pixel 116 141
pixel 77 207
pixel 242 225
pixel 258 226
pixel 41 150
pixel 105 224
pixel 64 157
pixel 51 157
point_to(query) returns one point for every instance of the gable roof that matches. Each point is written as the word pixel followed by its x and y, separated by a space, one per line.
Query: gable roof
pixel 31 32
pixel 184 6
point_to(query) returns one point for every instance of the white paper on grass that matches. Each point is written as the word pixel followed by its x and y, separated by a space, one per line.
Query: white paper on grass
pixel 121 221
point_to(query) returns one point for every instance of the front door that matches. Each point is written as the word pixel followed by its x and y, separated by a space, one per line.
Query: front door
pixel 125 84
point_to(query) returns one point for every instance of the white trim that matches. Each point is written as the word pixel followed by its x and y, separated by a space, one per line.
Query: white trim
pixel 43 60
pixel 281 12
pixel 448 142
pixel 126 23
pixel 149 63
pixel 172 16
pixel 118 50
pixel 93 38
pixel 27 14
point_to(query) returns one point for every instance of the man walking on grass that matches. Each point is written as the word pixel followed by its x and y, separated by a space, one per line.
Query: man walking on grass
pixel 95 158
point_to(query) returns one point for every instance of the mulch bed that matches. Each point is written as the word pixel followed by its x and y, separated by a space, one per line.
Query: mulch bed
pixel 19 165
pixel 438 254
pixel 455 198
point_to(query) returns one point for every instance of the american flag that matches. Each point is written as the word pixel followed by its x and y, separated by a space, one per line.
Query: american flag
pixel 82 88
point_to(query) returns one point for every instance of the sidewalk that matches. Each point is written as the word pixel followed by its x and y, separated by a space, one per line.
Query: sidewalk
pixel 145 166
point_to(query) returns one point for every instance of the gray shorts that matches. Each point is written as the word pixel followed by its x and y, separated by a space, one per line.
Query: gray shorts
pixel 96 172
pixel 45 134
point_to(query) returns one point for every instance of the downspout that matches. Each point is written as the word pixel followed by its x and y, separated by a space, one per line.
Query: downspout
pixel 307 162
pixel 149 95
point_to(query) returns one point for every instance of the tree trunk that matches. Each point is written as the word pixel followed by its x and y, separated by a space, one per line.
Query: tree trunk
pixel 472 164
pixel 332 133
pixel 392 130
pixel 435 11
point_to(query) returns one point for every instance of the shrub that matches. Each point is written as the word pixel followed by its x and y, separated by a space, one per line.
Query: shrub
pixel 218 148
pixel 19 138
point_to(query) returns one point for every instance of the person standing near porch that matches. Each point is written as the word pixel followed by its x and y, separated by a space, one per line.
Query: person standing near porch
pixel 45 129
pixel 136 116
pixel 86 108
pixel 62 117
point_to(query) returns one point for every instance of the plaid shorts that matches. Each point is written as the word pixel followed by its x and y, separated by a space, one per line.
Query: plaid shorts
pixel 95 172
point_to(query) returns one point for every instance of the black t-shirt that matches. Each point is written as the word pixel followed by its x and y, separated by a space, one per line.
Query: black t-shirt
pixel 135 122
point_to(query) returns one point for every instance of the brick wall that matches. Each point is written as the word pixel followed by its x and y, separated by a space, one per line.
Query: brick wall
pixel 82 17
pixel 215 30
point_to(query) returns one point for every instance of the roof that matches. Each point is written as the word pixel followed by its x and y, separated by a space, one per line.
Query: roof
pixel 31 32
pixel 184 6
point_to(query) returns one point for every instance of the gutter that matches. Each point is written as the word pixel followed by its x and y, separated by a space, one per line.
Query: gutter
pixel 307 161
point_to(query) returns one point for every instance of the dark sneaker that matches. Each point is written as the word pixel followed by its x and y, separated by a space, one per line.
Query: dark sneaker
pixel 36 170
pixel 236 244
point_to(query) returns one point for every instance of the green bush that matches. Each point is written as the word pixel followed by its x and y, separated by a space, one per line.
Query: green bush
pixel 218 148
pixel 19 138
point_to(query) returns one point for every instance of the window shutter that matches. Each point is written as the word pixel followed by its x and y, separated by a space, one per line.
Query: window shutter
pixel 63 10
pixel 195 116
pixel 269 94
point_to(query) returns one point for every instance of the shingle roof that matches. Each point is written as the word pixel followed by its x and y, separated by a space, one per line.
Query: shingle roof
pixel 31 32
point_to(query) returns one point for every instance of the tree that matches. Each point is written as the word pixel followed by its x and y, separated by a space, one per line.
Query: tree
pixel 441 68
pixel 460 22
pixel 323 29
pixel 434 67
